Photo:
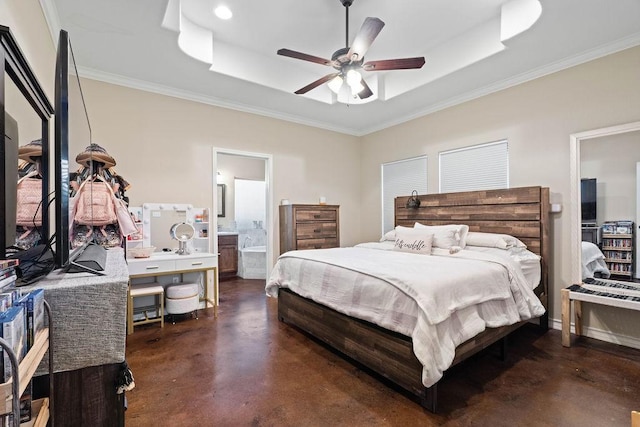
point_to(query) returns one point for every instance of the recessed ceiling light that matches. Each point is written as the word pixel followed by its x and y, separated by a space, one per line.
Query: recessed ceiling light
pixel 223 12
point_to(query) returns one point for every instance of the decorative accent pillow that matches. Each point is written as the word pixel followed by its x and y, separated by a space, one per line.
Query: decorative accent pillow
pixel 493 240
pixel 413 240
pixel 447 236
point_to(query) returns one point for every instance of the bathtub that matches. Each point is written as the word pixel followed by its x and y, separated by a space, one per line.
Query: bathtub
pixel 252 262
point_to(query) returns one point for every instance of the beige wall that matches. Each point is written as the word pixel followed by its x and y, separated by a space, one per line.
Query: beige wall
pixel 164 145
pixel 537 118
pixel 27 24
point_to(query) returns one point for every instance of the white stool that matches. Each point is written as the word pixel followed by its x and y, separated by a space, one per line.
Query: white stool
pixel 143 290
pixel 182 298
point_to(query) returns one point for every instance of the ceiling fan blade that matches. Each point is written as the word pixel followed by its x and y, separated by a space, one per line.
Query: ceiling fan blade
pixel 315 84
pixel 365 37
pixel 299 55
pixel 394 64
pixel 366 92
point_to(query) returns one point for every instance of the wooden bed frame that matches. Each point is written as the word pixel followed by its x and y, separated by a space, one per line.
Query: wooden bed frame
pixel 520 212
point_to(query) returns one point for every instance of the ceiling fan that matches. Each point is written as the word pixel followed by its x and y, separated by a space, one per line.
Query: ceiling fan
pixel 349 60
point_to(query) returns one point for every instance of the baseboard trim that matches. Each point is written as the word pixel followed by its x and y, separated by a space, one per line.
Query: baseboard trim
pixel 600 334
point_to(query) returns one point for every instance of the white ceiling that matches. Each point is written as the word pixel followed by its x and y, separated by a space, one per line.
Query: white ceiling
pixel 125 42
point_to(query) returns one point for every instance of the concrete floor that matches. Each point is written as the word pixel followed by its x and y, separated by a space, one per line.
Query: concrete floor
pixel 246 368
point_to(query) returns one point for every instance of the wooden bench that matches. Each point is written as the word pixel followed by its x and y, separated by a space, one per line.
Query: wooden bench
pixel 603 292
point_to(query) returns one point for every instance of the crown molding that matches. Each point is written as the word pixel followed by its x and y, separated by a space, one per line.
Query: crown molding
pixel 120 80
pixel 590 55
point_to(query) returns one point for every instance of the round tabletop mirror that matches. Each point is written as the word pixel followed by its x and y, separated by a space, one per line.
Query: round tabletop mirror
pixel 182 232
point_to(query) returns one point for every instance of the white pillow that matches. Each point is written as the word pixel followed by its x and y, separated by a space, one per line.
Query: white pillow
pixel 389 236
pixel 493 240
pixel 447 236
pixel 413 240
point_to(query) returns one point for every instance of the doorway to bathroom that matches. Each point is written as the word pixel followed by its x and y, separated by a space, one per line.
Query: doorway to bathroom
pixel 244 213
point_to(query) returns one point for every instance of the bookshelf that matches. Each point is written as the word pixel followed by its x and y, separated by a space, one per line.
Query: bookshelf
pixel 22 372
pixel 618 248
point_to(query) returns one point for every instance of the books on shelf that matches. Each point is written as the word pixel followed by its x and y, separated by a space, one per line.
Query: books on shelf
pixel 618 246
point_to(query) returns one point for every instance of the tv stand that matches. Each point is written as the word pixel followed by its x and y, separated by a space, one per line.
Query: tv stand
pixel 88 258
pixel 590 233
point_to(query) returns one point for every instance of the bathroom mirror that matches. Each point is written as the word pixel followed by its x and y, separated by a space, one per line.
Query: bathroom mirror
pixel 221 201
pixel 158 220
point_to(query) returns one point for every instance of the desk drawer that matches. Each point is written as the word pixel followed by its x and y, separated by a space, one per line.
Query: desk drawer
pixel 150 267
pixel 195 263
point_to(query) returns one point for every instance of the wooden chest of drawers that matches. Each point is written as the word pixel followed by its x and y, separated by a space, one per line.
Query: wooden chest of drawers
pixel 309 227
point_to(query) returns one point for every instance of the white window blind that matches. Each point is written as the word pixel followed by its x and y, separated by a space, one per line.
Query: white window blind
pixel 400 179
pixel 481 167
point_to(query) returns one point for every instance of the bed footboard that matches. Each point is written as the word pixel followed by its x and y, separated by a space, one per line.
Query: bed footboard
pixel 385 352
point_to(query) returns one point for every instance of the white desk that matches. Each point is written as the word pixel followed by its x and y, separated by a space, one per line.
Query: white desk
pixel 163 264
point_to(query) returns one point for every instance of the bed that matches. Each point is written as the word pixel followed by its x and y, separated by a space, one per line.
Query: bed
pixel 593 264
pixel 306 301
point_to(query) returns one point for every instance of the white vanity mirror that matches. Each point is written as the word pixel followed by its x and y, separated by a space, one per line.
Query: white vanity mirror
pixel 183 233
pixel 157 222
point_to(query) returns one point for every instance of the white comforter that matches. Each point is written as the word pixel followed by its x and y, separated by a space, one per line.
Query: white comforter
pixel 593 262
pixel 440 300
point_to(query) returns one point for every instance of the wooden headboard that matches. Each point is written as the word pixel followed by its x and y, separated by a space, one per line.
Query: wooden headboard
pixel 521 212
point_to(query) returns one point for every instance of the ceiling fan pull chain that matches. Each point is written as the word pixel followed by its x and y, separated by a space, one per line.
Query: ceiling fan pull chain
pixel 346 37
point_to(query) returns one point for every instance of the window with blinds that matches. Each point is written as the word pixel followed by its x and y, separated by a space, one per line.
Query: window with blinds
pixel 400 178
pixel 480 167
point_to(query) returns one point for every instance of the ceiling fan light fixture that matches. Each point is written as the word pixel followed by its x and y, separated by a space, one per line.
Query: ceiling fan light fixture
pixel 354 78
pixel 335 84
pixel 223 12
pixel 356 88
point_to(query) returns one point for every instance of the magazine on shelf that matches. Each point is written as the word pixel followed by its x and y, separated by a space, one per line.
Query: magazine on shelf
pixel 609 227
pixel 6 272
pixel 624 227
pixel 12 331
pixel 7 282
pixel 6 263
pixel 33 303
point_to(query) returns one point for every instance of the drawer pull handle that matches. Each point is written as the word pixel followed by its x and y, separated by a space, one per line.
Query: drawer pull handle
pixel 196 263
pixel 317 230
pixel 152 267
pixel 317 216
pixel 318 246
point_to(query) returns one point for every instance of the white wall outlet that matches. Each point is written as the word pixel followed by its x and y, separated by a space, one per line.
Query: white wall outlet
pixel 175 279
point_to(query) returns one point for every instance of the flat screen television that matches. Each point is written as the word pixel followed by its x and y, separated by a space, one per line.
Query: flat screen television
pixel 72 128
pixel 588 198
